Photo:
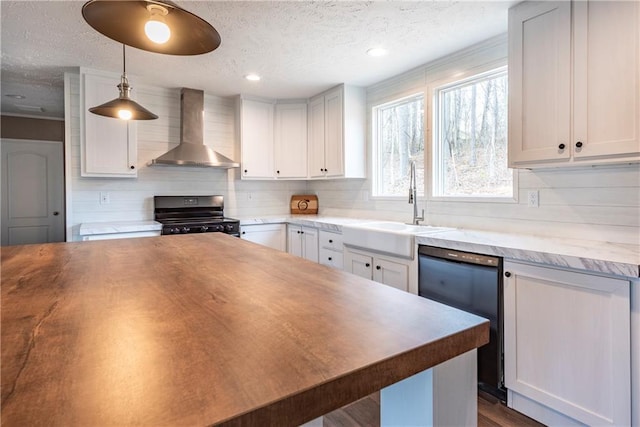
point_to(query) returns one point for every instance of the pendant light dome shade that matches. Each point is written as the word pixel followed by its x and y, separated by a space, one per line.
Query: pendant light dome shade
pixel 125 21
pixel 123 107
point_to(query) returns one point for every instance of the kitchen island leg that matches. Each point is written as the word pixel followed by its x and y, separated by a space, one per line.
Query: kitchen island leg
pixel 445 395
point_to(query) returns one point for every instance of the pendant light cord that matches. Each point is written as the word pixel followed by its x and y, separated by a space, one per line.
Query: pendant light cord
pixel 124 61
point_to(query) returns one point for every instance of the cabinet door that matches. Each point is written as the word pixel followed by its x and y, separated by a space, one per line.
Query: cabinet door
pixel 109 147
pixel 539 82
pixel 358 264
pixel 256 135
pixel 271 235
pixel 294 240
pixel 291 141
pixel 391 273
pixel 567 342
pixel 310 243
pixel 316 138
pixel 334 144
pixel 607 78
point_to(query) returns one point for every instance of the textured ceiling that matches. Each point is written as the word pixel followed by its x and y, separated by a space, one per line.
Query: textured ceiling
pixel 299 48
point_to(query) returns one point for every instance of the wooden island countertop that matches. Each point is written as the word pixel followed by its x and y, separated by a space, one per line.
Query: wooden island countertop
pixel 204 329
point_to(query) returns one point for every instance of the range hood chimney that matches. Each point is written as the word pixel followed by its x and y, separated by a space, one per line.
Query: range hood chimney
pixel 191 151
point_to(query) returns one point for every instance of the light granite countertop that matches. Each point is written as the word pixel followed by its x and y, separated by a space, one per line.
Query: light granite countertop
pixel 93 228
pixel 601 257
pixel 593 256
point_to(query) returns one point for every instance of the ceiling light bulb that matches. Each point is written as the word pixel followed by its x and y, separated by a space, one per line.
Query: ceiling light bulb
pixel 377 51
pixel 124 114
pixel 157 31
pixel 155 28
pixel 252 77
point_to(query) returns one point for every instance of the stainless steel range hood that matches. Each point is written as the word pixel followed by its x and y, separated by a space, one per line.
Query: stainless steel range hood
pixel 191 151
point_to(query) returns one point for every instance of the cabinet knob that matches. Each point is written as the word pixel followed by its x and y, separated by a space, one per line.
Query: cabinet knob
pixel 507 274
pixel 277 171
pixel 579 144
pixel 561 146
pixel 330 241
pixel 132 167
pixel 56 213
pixel 329 258
pixel 298 231
pixel 321 170
pixel 245 171
pixel 378 267
pixel 302 232
pixel 367 265
pixel 244 232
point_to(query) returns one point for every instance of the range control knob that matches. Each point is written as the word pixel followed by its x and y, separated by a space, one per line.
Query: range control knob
pixel 175 230
pixel 229 227
pixel 204 228
pixel 185 230
pixel 219 228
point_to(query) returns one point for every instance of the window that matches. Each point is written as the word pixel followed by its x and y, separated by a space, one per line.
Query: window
pixel 398 137
pixel 470 138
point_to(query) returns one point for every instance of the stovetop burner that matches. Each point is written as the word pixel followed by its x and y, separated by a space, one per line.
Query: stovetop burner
pixel 193 214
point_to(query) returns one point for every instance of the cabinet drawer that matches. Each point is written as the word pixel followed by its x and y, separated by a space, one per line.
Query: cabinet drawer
pixel 331 240
pixel 331 258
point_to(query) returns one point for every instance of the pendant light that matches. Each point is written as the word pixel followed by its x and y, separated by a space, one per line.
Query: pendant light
pixel 159 26
pixel 123 107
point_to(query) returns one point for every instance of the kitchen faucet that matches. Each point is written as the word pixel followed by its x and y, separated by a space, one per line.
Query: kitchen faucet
pixel 413 198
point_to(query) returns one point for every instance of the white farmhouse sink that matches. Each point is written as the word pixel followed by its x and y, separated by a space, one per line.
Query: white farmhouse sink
pixel 386 236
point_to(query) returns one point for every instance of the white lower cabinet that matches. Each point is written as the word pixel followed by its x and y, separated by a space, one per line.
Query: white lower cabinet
pixel 395 272
pixel 271 235
pixel 567 345
pixel 111 236
pixel 331 249
pixel 303 242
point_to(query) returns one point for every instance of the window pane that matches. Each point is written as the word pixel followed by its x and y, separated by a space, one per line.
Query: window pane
pixel 472 139
pixel 399 139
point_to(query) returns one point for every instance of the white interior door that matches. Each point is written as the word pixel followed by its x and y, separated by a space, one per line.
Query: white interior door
pixel 32 192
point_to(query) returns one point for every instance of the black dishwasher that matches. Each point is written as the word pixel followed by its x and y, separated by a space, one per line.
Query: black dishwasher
pixel 473 283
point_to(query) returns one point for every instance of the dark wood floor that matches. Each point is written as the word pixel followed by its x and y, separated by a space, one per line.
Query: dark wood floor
pixel 366 413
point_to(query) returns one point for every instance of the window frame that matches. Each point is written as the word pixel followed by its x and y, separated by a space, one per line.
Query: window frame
pixel 432 146
pixel 375 152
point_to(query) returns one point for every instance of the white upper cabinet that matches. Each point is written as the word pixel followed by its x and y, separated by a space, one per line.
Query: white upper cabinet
pixel 337 132
pixel 607 79
pixel 108 146
pixel 273 139
pixel 256 136
pixel 291 141
pixel 574 83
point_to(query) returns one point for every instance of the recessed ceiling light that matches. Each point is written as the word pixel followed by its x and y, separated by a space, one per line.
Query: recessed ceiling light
pixel 377 51
pixel 252 77
pixel 15 96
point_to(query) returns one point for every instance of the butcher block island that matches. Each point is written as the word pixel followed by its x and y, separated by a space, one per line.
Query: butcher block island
pixel 206 329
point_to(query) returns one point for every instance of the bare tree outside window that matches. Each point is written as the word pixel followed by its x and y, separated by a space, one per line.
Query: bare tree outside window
pixel 399 139
pixel 471 138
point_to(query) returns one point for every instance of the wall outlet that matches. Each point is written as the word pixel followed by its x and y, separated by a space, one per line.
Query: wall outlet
pixel 104 198
pixel 533 200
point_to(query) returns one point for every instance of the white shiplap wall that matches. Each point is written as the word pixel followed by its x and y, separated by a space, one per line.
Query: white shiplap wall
pixel 599 203
pixel 132 199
